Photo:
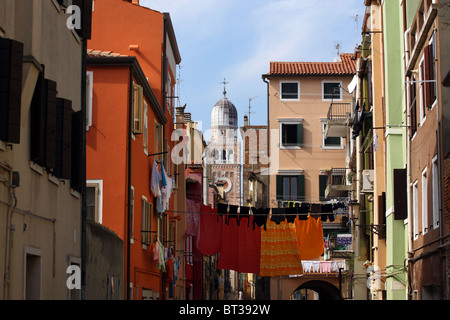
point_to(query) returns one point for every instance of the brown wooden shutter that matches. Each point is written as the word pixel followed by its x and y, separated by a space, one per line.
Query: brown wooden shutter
pixel 37 126
pixel 63 138
pixel 400 195
pixel 50 141
pixel 77 148
pixel 11 56
pixel 382 211
pixel 86 17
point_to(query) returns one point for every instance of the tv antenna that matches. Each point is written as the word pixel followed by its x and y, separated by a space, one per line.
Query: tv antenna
pixel 356 20
pixel 337 46
pixel 250 108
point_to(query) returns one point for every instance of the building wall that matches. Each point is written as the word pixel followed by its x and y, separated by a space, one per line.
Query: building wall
pixel 396 230
pixel 47 217
pixel 311 158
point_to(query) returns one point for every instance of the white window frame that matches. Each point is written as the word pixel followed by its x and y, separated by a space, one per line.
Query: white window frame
pixel 433 43
pixel 435 182
pixel 422 114
pixel 415 195
pixel 281 91
pixel 132 215
pixel 98 185
pixel 340 147
pixel 288 121
pixel 145 127
pixel 89 97
pixel 323 90
pixel 424 201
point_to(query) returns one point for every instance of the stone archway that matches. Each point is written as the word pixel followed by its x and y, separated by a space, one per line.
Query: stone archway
pixel 324 289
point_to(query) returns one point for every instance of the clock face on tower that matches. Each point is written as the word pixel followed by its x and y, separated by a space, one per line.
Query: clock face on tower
pixel 228 184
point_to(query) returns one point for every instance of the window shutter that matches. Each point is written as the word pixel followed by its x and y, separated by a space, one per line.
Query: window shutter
pixel 279 187
pixel 322 186
pixel 76 151
pixel 50 142
pixel 301 188
pixel 63 138
pixel 426 59
pixel 400 191
pixel 382 211
pixel 38 115
pixel 11 56
pixel 86 17
pixel 300 134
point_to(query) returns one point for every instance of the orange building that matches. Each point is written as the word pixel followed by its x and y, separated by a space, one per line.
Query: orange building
pixel 129 126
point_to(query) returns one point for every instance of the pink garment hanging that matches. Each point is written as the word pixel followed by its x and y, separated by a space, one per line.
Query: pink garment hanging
pixel 325 267
pixel 192 217
pixel 210 231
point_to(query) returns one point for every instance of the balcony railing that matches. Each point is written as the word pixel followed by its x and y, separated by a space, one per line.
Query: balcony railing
pixel 339 111
pixel 337 184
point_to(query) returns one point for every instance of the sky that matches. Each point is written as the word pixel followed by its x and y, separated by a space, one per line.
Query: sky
pixel 237 39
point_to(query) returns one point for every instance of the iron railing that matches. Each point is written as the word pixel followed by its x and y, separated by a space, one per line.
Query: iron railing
pixel 339 111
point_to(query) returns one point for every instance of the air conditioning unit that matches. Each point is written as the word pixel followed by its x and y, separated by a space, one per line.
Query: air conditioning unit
pixel 367 181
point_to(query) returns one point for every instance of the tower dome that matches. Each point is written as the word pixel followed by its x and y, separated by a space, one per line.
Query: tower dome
pixel 224 113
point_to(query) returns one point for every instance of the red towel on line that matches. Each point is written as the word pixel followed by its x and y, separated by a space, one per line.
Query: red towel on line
pixel 241 247
pixel 210 231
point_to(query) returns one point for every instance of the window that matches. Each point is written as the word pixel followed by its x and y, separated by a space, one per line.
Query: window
pixel 291 134
pixel 424 202
pixel 132 215
pixel 416 210
pixel 422 90
pixel 330 142
pixel 147 213
pixel 94 200
pixel 33 270
pixel 430 72
pixel 290 187
pixel 331 90
pixel 11 57
pixel 290 90
pixel 323 178
pixel 412 105
pixel 145 133
pixel 89 96
pixel 435 181
pixel 137 108
pixel 158 140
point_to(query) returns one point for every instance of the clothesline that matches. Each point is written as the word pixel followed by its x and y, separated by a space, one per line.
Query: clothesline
pixel 256 214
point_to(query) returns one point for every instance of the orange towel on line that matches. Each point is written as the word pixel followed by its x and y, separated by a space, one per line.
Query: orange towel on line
pixel 309 237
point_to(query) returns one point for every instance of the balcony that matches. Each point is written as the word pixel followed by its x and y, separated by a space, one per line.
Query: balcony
pixel 339 118
pixel 337 184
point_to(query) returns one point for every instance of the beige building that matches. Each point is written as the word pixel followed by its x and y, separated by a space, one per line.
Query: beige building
pixel 40 143
pixel 304 156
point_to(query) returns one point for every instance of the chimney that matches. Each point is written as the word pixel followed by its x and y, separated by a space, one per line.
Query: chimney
pixel 245 121
pixel 179 117
pixel 135 2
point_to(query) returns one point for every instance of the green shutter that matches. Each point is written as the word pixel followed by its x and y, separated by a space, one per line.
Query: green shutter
pixel 301 188
pixel 300 134
pixel 322 186
pixel 279 187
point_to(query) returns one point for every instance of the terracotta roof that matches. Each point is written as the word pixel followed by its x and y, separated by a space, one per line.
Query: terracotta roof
pixel 346 66
pixel 91 53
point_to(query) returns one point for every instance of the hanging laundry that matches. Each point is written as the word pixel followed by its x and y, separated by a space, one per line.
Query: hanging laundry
pixel 210 231
pixel 244 214
pixel 291 214
pixel 155 180
pixel 222 208
pixel 325 267
pixel 192 217
pixel 280 254
pixel 241 248
pixel 303 210
pixel 310 237
pixel 163 176
pixel 278 215
pixel 232 213
pixel 260 217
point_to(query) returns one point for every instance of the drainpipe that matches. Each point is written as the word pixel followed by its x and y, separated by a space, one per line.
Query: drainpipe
pixel 130 126
pixel 264 78
pixel 83 168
